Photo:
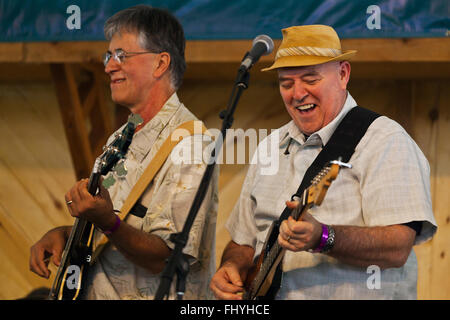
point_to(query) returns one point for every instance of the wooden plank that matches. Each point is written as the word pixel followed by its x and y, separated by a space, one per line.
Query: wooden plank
pixel 30 196
pixel 440 280
pixel 35 172
pixel 101 116
pixel 73 118
pixel 226 71
pixel 11 51
pixel 65 52
pixel 424 134
pixel 380 49
pixel 229 191
pixel 399 50
pixel 400 70
pixel 431 132
pixel 34 153
pixel 16 278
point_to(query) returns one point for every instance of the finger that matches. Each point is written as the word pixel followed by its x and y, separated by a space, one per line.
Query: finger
pixel 285 232
pixel 292 204
pixel 77 203
pixel 229 280
pixel 221 295
pixel 75 192
pixel 82 188
pixel 69 202
pixel 289 245
pixel 235 277
pixel 297 228
pixel 224 290
pixel 57 255
pixel 37 264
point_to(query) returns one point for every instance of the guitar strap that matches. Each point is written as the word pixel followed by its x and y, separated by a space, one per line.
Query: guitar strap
pixel 184 130
pixel 341 144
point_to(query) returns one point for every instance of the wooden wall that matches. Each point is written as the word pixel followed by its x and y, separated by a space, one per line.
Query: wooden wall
pixel 35 173
pixel 36 168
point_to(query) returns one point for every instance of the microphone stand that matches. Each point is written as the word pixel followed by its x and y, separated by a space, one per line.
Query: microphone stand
pixel 177 262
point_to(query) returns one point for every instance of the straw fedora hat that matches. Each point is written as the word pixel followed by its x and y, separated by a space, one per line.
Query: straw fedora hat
pixel 309 45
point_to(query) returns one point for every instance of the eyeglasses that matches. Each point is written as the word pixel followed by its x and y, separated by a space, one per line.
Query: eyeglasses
pixel 119 55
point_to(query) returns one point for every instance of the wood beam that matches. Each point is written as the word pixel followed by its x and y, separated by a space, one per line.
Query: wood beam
pixel 87 121
pixel 369 50
pixel 73 118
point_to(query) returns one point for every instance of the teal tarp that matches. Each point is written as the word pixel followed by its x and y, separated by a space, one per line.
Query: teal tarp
pixel 44 20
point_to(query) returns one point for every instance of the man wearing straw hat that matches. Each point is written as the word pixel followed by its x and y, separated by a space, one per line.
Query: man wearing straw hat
pixel 358 243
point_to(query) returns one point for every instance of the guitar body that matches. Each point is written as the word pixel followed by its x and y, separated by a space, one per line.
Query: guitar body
pixel 72 273
pixel 264 279
pixel 271 281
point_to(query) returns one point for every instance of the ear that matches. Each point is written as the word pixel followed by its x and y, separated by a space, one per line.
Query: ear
pixel 344 73
pixel 163 63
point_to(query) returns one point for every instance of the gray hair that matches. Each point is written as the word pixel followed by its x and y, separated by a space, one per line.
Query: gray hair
pixel 157 31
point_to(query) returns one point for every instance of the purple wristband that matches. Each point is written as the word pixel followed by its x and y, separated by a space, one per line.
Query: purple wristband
pixel 323 239
pixel 115 227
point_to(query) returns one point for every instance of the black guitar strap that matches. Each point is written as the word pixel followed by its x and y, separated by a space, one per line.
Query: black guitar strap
pixel 341 144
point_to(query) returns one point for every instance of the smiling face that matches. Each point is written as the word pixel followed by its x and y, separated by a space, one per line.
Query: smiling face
pixel 314 95
pixel 132 80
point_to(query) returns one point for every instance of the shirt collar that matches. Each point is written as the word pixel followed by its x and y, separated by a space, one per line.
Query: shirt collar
pixel 151 130
pixel 321 136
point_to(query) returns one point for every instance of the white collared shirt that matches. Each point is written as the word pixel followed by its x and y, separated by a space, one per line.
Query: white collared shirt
pixel 388 184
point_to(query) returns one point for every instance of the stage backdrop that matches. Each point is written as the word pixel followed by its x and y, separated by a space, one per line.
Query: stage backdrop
pixel 73 20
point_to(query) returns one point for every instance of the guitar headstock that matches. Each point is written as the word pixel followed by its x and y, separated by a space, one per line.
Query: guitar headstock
pixel 116 150
pixel 322 181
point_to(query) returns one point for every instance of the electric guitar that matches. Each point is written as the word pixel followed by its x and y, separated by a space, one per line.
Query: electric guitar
pixel 77 254
pixel 264 279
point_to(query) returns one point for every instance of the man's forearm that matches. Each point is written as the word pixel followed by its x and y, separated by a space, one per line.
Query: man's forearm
pixel 240 255
pixel 387 247
pixel 146 250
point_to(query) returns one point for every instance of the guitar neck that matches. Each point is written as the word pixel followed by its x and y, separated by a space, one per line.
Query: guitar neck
pixel 93 184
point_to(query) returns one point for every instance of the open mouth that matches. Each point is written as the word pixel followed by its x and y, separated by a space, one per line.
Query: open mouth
pixel 116 81
pixel 306 107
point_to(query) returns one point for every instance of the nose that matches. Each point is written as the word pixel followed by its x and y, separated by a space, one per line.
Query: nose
pixel 112 66
pixel 300 93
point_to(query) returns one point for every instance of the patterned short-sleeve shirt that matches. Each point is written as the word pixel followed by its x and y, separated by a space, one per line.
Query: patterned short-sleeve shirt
pixel 168 200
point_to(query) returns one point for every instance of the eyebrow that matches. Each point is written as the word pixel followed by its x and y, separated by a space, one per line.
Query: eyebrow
pixel 115 50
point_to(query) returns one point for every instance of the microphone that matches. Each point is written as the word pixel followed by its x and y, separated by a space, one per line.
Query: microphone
pixel 262 45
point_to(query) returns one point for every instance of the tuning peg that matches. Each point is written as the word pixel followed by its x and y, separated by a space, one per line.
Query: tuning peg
pixel 341 164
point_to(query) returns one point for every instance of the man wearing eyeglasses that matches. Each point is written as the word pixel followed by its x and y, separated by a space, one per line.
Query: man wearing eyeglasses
pixel 145 62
